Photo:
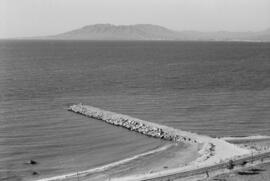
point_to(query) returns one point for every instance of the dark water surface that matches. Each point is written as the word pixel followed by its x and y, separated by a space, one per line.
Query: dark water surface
pixel 213 88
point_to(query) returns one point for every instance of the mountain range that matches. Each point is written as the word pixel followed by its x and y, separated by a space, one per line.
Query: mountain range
pixel 155 33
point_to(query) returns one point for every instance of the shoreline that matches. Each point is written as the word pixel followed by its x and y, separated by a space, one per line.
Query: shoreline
pixel 187 172
pixel 104 167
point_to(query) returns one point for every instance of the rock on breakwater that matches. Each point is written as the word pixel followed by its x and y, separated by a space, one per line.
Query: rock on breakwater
pixel 133 124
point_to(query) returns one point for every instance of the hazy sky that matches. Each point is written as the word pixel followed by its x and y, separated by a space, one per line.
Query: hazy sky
pixel 45 17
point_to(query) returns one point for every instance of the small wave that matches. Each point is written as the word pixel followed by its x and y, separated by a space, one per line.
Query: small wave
pixel 105 167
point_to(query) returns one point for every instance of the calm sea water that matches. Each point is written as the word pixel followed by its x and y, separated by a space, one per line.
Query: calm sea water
pixel 213 88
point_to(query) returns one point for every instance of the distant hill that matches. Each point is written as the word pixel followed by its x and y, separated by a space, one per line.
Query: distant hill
pixel 122 32
pixel 155 32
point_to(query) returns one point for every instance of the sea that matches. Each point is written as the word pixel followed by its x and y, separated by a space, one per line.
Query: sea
pixel 211 88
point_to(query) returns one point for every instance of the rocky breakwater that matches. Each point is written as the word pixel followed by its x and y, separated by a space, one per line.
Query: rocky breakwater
pixel 212 150
pixel 133 124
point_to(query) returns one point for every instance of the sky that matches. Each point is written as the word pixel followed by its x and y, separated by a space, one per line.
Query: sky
pixel 22 18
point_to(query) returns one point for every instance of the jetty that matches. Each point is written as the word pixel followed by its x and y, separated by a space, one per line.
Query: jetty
pixel 134 124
